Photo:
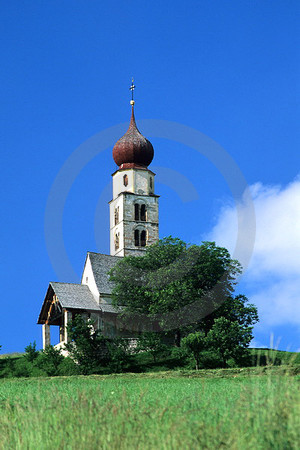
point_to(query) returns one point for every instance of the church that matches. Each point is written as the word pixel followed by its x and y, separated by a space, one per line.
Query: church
pixel 133 227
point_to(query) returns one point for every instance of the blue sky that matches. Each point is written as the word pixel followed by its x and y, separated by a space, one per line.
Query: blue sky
pixel 227 69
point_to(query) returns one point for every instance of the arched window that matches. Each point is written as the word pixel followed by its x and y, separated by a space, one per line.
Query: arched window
pixel 125 180
pixel 143 238
pixel 137 238
pixel 140 212
pixel 143 213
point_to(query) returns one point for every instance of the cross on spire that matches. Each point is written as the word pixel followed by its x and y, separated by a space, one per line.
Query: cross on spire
pixel 132 88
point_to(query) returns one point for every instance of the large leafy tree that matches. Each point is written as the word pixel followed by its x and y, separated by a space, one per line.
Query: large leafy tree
pixel 175 285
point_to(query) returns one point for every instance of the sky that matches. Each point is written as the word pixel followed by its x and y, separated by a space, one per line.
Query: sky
pixel 217 93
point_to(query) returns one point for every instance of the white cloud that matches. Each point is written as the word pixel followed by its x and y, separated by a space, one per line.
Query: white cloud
pixel 273 275
pixel 279 302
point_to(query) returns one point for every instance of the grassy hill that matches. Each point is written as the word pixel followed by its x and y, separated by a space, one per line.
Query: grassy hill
pixel 166 410
pixel 12 364
pixel 266 356
pixel 166 405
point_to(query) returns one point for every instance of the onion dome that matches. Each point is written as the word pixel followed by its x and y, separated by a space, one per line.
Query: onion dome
pixel 133 149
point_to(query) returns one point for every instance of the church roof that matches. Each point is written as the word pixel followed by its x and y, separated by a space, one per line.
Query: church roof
pixel 108 308
pixel 101 265
pixel 75 296
pixel 70 296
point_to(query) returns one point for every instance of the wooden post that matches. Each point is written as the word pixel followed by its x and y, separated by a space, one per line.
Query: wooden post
pixel 46 335
pixel 67 318
pixel 61 333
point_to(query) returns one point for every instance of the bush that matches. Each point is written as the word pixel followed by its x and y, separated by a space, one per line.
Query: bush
pixel 151 342
pixel 25 368
pixel 49 361
pixel 31 353
pixel 229 340
pixel 210 360
pixel 195 343
pixel 33 363
pixel 88 347
pixel 119 354
pixel 68 367
pixel 8 368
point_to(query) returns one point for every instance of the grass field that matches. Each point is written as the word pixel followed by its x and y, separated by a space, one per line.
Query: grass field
pixel 237 409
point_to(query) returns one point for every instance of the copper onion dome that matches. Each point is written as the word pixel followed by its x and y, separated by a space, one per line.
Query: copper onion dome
pixel 133 149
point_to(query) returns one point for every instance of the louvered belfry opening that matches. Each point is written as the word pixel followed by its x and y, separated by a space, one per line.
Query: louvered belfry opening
pixel 136 211
pixel 143 213
pixel 143 238
pixel 137 238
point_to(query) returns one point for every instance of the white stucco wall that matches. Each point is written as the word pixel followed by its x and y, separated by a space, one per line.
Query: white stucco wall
pixel 141 182
pixel 118 184
pixel 89 280
pixel 138 182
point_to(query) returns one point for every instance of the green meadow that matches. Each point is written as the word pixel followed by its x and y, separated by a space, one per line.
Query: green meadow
pixel 255 408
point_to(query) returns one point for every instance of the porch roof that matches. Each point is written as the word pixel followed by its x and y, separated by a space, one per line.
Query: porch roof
pixel 75 296
pixel 70 296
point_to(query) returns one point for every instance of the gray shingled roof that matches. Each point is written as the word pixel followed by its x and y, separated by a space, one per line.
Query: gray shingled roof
pixel 107 308
pixel 101 265
pixel 75 296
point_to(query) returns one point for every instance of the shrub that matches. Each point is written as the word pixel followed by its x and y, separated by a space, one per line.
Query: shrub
pixel 31 353
pixel 49 361
pixel 8 368
pixel 88 347
pixel 229 340
pixel 119 354
pixel 68 367
pixel 150 342
pixel 195 343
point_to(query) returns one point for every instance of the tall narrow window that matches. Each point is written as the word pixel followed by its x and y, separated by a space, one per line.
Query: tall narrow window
pixel 137 238
pixel 136 211
pixel 143 238
pixel 143 213
pixel 125 180
pixel 116 215
pixel 151 183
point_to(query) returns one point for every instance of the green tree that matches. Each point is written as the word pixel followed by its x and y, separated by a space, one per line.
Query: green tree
pixel 50 360
pixel 31 353
pixel 174 284
pixel 150 342
pixel 234 309
pixel 195 343
pixel 119 354
pixel 229 339
pixel 87 346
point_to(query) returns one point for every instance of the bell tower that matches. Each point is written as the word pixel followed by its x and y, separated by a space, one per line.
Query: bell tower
pixel 134 207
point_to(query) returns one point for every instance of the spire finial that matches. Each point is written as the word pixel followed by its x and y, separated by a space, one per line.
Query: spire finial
pixel 132 88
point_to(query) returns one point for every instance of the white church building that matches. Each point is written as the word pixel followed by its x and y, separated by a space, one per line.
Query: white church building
pixel 133 227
